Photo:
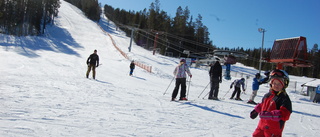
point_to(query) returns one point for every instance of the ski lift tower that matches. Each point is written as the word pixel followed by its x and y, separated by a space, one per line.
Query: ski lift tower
pixel 290 52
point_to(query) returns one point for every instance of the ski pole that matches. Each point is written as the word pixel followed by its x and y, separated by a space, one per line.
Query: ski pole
pixel 226 93
pixel 204 89
pixel 189 87
pixel 168 86
pixel 205 95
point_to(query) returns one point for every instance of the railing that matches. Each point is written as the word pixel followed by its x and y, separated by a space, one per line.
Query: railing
pixel 139 64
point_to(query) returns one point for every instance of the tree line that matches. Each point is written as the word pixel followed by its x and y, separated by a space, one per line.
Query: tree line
pixel 153 27
pixel 90 8
pixel 26 17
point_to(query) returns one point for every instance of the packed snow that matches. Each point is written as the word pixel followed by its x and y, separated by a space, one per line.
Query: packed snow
pixel 44 91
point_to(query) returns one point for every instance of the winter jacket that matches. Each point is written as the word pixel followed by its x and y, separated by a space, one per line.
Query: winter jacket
pixel 238 83
pixel 180 71
pixel 93 59
pixel 274 101
pixel 132 66
pixel 256 83
pixel 216 71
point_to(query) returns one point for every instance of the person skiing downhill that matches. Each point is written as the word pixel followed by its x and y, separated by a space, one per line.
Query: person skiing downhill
pixel 180 75
pixel 275 108
pixel 132 66
pixel 215 78
pixel 255 87
pixel 92 62
pixel 237 84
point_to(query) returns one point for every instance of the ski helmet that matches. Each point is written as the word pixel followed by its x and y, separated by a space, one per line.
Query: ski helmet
pixel 243 79
pixel 258 75
pixel 182 60
pixel 280 74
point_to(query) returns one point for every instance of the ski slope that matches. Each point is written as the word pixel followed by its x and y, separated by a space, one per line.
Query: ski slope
pixel 44 92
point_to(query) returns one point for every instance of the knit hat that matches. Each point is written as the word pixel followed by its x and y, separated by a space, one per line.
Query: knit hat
pixel 278 79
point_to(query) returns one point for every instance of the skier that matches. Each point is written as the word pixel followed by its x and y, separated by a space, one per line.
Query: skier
pixel 275 108
pixel 215 78
pixel 180 75
pixel 92 62
pixel 132 66
pixel 255 87
pixel 237 84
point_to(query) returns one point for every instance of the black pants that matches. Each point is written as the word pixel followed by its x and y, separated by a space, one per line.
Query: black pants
pixel 236 90
pixel 182 82
pixel 214 87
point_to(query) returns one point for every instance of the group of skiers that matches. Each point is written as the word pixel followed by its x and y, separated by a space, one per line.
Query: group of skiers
pixel 274 109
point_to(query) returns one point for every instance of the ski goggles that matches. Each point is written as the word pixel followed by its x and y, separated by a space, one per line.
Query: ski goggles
pixel 277 73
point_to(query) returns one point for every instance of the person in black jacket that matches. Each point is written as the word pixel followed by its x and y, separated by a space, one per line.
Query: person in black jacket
pixel 215 78
pixel 132 66
pixel 92 62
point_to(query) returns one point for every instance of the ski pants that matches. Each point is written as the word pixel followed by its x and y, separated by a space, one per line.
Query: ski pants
pixel 214 87
pixel 182 82
pixel 267 133
pixel 253 95
pixel 93 67
pixel 131 71
pixel 236 90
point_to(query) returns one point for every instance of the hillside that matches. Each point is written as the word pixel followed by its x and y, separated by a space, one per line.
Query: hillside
pixel 44 92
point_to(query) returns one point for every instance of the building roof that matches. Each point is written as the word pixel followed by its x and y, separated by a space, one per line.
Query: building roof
pixel 312 83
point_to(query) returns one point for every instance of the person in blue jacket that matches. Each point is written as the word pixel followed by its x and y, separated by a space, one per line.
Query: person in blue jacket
pixel 255 87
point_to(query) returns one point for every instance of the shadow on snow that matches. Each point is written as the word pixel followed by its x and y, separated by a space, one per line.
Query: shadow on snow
pixel 55 39
pixel 211 110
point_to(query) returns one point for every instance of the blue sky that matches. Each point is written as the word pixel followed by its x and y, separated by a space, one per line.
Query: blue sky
pixel 235 23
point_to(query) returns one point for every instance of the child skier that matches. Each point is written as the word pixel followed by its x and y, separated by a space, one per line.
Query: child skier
pixel 255 87
pixel 275 108
pixel 237 84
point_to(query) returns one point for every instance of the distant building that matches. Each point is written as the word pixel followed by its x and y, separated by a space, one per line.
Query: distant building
pixel 312 89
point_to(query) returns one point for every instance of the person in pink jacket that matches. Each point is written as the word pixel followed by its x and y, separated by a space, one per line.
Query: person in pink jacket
pixel 180 75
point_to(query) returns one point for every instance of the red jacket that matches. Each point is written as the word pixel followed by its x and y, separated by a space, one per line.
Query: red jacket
pixel 274 101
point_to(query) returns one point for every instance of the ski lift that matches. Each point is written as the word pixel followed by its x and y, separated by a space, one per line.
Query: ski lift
pixel 290 52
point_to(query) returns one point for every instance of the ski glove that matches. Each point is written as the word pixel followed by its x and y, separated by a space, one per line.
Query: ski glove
pixel 253 114
pixel 97 65
pixel 274 115
pixel 190 76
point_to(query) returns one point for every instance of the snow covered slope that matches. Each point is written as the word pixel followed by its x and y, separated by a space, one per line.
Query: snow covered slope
pixel 44 92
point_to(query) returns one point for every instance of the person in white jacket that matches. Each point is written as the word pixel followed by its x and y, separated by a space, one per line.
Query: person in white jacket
pixel 180 75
